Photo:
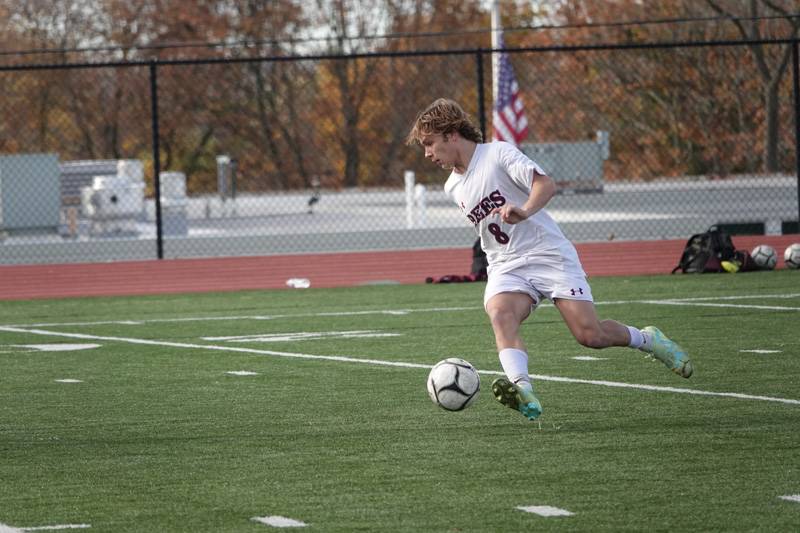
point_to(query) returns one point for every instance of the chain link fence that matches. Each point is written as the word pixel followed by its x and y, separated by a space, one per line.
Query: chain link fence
pixel 262 156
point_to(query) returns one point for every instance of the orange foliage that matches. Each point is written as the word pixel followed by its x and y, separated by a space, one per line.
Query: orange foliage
pixel 669 111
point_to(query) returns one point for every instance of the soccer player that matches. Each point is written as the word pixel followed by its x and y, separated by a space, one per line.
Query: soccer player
pixel 503 194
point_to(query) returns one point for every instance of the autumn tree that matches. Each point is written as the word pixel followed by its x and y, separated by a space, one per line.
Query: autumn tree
pixel 41 24
pixel 772 61
pixel 350 80
pixel 670 111
pixel 294 109
pixel 80 113
pixel 275 97
pixel 399 86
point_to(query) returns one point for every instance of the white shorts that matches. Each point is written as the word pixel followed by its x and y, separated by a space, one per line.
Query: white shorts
pixel 540 277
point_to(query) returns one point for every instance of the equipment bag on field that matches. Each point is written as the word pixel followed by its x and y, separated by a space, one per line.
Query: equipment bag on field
pixel 705 252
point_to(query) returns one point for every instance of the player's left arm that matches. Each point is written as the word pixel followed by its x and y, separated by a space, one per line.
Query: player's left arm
pixel 543 188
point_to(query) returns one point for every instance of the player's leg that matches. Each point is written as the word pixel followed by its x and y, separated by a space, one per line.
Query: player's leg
pixel 581 319
pixel 507 311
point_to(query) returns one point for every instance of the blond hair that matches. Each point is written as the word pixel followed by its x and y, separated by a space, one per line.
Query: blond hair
pixel 443 116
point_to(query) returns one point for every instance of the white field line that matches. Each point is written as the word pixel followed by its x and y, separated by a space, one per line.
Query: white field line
pixel 734 306
pixel 783 295
pixel 8 529
pixel 379 362
pixel 57 347
pixel 59 526
pixel 545 510
pixel 697 301
pixel 304 335
pixel 278 521
pixel 399 312
pixel 738 297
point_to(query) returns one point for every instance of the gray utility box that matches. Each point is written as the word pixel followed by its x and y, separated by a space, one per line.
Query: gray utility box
pixel 174 204
pixel 574 166
pixel 29 193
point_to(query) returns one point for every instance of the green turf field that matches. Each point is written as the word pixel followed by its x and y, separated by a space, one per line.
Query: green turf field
pixel 332 426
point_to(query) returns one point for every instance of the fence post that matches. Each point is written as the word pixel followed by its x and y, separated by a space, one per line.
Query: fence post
pixel 796 91
pixel 409 178
pixel 481 110
pixel 156 156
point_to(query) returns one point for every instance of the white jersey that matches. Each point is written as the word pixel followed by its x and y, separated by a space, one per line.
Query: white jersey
pixel 498 174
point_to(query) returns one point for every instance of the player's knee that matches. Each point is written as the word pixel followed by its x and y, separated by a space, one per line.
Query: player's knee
pixel 591 338
pixel 502 318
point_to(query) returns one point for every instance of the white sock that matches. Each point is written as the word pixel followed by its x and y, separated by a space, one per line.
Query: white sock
pixel 515 365
pixel 640 339
pixel 636 337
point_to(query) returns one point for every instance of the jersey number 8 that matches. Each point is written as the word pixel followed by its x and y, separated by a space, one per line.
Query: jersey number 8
pixel 498 234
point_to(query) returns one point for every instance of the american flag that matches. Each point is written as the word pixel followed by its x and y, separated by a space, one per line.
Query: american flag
pixel 508 119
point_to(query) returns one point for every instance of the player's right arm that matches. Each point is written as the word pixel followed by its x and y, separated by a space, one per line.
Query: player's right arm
pixel 543 188
pixel 528 177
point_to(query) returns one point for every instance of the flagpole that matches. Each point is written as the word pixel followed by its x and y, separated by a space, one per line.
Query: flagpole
pixel 496 29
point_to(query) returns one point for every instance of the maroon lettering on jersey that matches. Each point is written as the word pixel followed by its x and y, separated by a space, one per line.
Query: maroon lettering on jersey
pixel 476 214
pixel 497 198
pixel 485 206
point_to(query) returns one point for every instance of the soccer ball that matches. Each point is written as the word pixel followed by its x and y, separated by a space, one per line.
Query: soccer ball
pixel 764 256
pixel 792 256
pixel 453 384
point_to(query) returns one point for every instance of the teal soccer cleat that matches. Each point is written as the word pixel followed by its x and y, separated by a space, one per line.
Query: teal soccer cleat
pixel 670 353
pixel 520 400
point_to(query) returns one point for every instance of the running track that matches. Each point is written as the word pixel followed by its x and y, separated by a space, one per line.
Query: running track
pixel 21 282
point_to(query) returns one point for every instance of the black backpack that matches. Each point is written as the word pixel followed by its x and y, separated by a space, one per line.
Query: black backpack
pixel 704 252
pixel 479 262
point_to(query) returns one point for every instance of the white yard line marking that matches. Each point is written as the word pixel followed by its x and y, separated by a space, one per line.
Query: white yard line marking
pixel 68 380
pixel 242 373
pixel 148 342
pixel 278 521
pixel 390 312
pixel 729 306
pixel 57 347
pixel 8 529
pixel 545 510
pixel 346 359
pixel 588 358
pixel 760 351
pixel 60 526
pixel 403 312
pixel 739 297
pixel 303 336
pixel 791 498
pixel 658 388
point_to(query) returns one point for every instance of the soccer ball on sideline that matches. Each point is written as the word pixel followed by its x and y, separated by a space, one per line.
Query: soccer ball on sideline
pixel 453 384
pixel 764 256
pixel 791 257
